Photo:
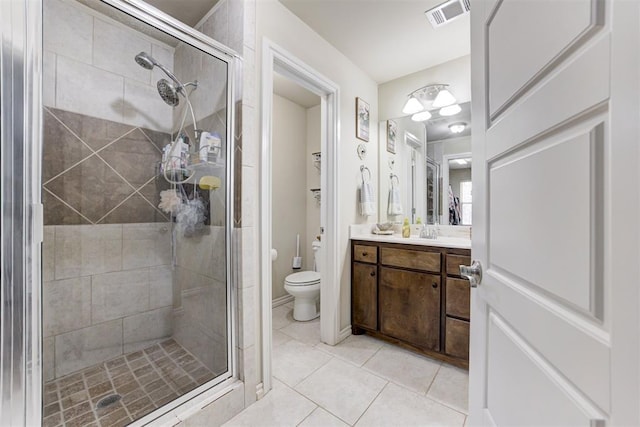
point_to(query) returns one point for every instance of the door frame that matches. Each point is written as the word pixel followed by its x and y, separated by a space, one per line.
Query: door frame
pixel 21 227
pixel 278 59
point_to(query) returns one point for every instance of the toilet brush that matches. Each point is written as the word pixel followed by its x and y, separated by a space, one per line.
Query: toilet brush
pixel 297 260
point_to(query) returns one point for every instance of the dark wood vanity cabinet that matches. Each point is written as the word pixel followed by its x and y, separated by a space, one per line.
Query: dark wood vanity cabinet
pixel 412 296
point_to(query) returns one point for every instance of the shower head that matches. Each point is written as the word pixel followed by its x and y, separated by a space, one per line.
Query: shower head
pixel 168 92
pixel 145 60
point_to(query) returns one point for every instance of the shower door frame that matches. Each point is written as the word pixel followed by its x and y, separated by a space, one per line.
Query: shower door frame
pixel 21 223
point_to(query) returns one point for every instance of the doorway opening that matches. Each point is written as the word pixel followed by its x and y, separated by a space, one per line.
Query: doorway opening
pixel 277 61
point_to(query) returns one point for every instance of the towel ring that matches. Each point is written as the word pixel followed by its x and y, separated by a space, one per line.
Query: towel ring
pixel 364 168
pixel 391 176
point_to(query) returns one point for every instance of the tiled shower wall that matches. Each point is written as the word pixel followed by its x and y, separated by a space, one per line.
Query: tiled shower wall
pixel 107 290
pixel 89 67
pixel 108 284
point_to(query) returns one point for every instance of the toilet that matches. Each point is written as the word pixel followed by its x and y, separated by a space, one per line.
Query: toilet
pixel 305 289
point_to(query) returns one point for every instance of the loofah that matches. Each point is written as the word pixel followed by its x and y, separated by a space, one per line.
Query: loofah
pixel 190 218
pixel 170 201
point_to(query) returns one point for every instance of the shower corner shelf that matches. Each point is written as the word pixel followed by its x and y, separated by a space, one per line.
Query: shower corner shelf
pixel 316 160
pixel 316 194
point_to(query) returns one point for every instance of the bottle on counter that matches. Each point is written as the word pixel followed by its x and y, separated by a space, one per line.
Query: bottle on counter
pixel 406 228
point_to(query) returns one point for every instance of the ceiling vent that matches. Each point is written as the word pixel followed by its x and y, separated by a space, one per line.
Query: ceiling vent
pixel 447 12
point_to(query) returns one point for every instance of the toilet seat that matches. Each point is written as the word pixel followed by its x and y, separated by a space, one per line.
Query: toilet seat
pixel 303 278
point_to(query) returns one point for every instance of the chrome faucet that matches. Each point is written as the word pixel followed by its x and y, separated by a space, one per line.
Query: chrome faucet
pixel 428 232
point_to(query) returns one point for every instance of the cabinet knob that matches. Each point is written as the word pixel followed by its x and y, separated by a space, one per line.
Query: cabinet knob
pixel 364 254
pixel 434 285
pixel 373 273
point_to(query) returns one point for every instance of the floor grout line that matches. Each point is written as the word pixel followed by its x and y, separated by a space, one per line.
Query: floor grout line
pixel 371 403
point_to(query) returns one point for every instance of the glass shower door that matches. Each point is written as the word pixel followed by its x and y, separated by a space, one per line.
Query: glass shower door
pixel 137 290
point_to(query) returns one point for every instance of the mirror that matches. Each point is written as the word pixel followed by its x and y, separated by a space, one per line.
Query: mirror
pixel 427 158
pixel 402 171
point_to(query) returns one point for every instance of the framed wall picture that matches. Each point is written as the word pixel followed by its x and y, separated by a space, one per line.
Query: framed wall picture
pixel 362 120
pixel 392 130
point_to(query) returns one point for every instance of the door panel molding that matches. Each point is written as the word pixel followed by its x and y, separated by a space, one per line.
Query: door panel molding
pixel 570 204
pixel 518 79
pixel 585 71
pixel 590 343
pixel 570 406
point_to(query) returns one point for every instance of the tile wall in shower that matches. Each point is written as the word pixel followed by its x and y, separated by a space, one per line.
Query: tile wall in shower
pixel 89 67
pixel 107 291
pixel 200 297
pixel 97 171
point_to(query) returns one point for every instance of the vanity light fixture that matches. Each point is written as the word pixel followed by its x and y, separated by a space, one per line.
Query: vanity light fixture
pixel 421 117
pixel 434 95
pixel 457 127
pixel 450 110
pixel 443 99
pixel 412 106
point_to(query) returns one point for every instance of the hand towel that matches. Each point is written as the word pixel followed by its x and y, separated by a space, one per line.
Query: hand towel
pixel 367 200
pixel 395 207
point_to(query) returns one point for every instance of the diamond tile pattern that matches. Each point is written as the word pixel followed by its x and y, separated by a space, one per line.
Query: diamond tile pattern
pixel 100 171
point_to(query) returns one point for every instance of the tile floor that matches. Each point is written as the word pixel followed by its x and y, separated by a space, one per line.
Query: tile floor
pixel 360 382
pixel 145 380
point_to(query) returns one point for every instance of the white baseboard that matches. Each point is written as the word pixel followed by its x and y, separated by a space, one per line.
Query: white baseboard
pixel 259 391
pixel 281 301
pixel 344 334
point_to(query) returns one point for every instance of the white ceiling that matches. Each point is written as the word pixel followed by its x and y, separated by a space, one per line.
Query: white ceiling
pixel 286 88
pixel 387 39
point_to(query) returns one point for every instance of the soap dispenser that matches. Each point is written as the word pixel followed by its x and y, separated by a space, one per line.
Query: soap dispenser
pixel 406 228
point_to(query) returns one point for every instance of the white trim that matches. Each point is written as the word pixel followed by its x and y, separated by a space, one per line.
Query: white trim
pixel 281 301
pixel 444 219
pixel 275 58
pixel 344 334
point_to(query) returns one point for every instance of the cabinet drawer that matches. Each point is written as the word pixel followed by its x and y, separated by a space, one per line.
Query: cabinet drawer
pixel 364 253
pixel 405 258
pixel 458 295
pixel 455 261
pixel 457 338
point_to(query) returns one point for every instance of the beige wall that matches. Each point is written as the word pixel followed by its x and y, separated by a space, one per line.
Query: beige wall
pixel 313 181
pixel 296 134
pixel 278 24
pixel 289 157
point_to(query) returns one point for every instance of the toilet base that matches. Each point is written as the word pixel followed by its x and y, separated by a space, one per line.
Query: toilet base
pixel 305 309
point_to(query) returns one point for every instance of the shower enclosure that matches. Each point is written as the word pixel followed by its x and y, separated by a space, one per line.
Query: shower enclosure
pixel 137 296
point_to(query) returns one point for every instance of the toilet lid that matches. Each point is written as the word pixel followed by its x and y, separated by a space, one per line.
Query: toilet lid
pixel 303 278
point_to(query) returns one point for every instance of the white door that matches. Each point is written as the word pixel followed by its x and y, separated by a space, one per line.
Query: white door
pixel 555 327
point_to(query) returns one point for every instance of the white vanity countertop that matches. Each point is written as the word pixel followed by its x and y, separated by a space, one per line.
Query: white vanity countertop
pixel 364 233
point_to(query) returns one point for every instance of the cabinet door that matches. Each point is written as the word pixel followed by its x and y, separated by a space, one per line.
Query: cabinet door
pixel 410 307
pixel 365 295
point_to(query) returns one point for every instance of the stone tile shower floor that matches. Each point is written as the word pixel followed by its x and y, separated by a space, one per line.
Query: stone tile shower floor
pixel 145 380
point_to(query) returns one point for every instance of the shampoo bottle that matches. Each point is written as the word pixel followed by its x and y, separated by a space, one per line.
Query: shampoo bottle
pixel 406 228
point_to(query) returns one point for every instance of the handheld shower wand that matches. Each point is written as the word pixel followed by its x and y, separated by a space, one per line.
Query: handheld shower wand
pixel 168 92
